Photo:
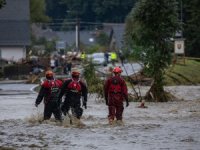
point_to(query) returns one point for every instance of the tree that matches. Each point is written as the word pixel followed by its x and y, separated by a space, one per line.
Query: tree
pixel 56 9
pixel 191 19
pixel 37 11
pixel 102 39
pixel 74 8
pixel 99 10
pixel 112 10
pixel 2 3
pixel 153 23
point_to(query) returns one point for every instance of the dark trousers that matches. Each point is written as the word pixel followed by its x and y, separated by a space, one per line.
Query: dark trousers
pixel 75 105
pixel 52 108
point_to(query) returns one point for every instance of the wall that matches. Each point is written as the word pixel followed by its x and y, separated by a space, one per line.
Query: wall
pixel 13 53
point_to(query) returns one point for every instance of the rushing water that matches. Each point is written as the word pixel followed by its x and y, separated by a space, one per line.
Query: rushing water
pixel 162 126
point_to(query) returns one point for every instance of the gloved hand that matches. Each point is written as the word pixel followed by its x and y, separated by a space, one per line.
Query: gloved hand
pixel 85 104
pixel 36 105
pixel 127 103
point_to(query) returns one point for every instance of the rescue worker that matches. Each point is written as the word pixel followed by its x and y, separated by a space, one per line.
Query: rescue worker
pixel 116 92
pixel 113 57
pixel 106 57
pixel 83 56
pixel 49 93
pixel 74 89
pixel 67 67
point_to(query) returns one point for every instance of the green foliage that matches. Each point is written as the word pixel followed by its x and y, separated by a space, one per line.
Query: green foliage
pixel 2 3
pixel 181 74
pixel 134 53
pixel 102 39
pixel 191 18
pixel 153 23
pixel 112 10
pixel 99 10
pixel 95 84
pixel 48 45
pixel 37 11
pixel 16 70
pixel 93 49
pixel 55 9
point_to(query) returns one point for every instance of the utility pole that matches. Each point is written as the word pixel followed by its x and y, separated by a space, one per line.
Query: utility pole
pixel 77 34
pixel 77 29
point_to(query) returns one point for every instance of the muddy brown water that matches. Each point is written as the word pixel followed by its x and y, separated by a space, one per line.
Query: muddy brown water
pixel 172 125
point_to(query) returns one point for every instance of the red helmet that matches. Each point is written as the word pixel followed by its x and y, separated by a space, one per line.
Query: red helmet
pixel 49 74
pixel 117 70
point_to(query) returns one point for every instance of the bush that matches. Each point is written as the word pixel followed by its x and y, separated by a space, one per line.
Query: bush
pixel 95 84
pixel 16 70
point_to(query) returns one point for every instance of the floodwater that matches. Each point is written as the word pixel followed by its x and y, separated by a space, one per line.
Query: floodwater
pixel 173 125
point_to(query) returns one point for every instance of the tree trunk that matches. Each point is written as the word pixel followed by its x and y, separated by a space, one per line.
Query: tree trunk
pixel 156 93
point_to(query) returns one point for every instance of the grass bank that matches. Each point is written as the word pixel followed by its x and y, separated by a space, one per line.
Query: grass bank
pixel 184 74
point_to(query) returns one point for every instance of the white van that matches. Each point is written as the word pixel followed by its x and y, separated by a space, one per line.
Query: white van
pixel 98 58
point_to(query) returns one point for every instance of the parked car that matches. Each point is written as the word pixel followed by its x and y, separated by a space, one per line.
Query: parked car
pixel 98 58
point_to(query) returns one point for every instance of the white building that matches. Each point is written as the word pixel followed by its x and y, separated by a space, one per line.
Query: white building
pixel 14 29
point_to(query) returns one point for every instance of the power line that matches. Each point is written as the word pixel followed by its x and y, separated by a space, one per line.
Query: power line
pixel 64 19
pixel 63 23
pixel 95 23
pixel 81 22
pixel 88 25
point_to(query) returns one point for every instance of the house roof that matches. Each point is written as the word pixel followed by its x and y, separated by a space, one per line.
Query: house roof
pixel 15 10
pixel 15 23
pixel 118 32
pixel 14 33
pixel 70 37
pixel 85 36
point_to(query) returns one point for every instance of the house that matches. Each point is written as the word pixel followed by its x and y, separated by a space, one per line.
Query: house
pixel 87 37
pixel 14 30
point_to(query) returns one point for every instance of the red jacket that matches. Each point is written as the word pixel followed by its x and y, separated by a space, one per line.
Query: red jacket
pixel 123 93
pixel 69 95
pixel 46 90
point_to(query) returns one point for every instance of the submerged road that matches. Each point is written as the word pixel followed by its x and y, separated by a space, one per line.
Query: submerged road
pixel 17 100
pixel 173 125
